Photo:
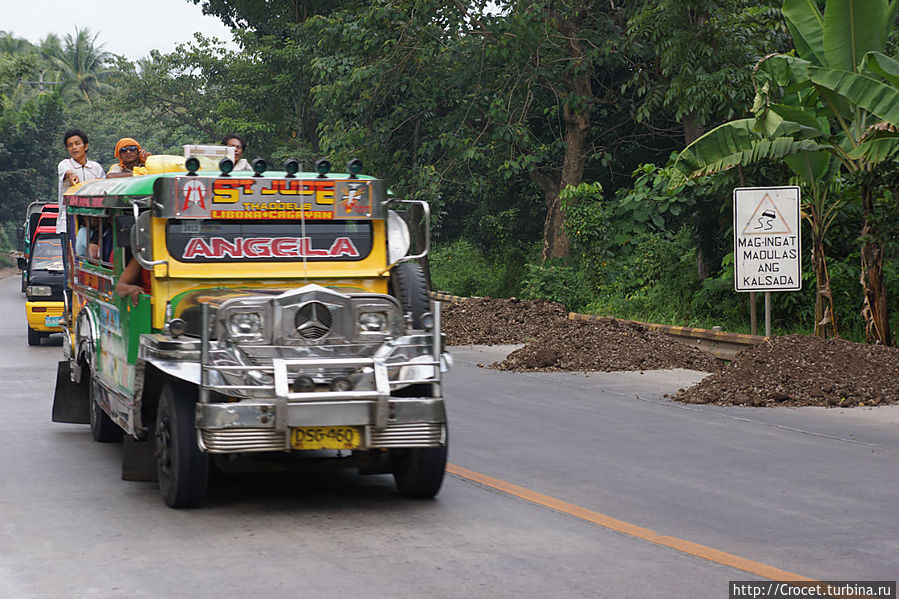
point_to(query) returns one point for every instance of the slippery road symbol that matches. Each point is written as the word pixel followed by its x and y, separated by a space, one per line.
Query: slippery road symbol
pixel 766 219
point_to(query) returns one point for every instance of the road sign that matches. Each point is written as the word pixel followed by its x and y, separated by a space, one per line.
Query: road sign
pixel 767 240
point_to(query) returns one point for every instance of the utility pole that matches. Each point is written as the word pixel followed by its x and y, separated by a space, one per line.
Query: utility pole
pixel 40 81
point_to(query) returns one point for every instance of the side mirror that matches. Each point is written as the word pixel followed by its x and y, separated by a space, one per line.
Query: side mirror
pixel 141 240
pixel 23 263
pixel 398 238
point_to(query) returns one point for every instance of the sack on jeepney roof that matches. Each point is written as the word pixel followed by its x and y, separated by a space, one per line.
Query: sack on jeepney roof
pixel 168 163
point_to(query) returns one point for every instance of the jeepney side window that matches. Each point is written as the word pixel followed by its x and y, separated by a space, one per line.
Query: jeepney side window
pixel 81 236
pixel 105 242
pixel 93 240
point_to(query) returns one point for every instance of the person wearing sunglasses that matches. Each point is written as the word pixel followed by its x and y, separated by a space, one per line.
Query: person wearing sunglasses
pixel 130 155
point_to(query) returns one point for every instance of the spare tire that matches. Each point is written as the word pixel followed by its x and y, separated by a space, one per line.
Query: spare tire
pixel 408 284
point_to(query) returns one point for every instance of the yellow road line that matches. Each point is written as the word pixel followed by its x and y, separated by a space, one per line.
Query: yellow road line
pixel 708 553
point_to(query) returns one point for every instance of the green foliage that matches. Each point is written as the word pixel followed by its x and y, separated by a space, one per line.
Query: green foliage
pixel 557 282
pixel 655 281
pixel 461 268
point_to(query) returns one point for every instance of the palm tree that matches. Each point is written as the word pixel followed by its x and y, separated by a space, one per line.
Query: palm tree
pixel 839 96
pixel 83 65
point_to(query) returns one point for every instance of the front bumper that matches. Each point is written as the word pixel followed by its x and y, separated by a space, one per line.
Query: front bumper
pixel 44 316
pixel 250 426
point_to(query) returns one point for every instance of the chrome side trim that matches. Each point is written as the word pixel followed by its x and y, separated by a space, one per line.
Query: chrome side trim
pixel 425 434
pixel 243 439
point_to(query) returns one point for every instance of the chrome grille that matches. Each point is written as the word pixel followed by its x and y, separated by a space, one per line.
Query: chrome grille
pixel 417 434
pixel 313 320
pixel 232 440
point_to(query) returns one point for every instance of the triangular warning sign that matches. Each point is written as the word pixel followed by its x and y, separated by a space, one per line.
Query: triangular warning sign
pixel 766 219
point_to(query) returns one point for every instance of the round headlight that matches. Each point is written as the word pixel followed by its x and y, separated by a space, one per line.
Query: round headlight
pixel 177 327
pixel 373 322
pixel 245 323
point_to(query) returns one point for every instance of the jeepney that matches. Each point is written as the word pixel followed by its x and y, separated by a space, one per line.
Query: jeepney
pixel 282 322
pixel 39 216
pixel 45 288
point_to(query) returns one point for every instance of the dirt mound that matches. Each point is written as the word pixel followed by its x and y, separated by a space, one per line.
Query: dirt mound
pixel 555 343
pixel 605 345
pixel 799 370
pixel 489 321
pixel 794 370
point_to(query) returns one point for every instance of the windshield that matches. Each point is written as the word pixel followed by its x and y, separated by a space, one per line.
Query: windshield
pixel 46 254
pixel 283 241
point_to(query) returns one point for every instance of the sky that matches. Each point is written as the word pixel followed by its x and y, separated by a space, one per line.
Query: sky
pixel 131 29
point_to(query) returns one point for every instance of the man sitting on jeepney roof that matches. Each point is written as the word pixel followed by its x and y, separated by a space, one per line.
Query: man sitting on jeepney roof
pixel 130 156
pixel 75 169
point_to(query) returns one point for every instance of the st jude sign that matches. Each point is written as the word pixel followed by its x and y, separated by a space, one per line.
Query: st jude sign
pixel 767 239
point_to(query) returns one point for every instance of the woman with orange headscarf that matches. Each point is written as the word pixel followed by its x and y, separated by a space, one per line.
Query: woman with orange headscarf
pixel 130 155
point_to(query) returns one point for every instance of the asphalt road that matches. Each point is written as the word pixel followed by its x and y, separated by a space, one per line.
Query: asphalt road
pixel 811 492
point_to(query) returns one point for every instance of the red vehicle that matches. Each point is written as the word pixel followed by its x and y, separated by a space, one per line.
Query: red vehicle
pixel 40 217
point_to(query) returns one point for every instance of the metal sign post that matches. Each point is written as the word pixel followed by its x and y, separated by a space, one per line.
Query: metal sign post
pixel 767 242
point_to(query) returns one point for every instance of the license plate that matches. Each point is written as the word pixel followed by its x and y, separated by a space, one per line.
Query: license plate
pixel 325 437
pixel 52 321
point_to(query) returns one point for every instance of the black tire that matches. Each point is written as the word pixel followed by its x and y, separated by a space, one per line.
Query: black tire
pixel 34 337
pixel 24 282
pixel 418 472
pixel 103 429
pixel 408 284
pixel 182 468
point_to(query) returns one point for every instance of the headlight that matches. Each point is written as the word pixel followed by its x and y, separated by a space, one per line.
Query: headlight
pixel 39 290
pixel 373 322
pixel 246 326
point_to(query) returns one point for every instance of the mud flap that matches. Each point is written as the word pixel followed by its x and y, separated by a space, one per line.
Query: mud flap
pixel 70 400
pixel 139 460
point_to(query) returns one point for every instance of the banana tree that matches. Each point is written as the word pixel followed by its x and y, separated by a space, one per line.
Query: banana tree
pixel 840 95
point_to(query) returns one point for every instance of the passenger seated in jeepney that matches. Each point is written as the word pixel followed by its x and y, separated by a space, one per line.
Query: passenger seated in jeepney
pixel 86 240
pixel 130 155
pixel 90 243
pixel 133 281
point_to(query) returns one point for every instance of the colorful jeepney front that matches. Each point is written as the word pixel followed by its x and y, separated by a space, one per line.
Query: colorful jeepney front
pixel 270 296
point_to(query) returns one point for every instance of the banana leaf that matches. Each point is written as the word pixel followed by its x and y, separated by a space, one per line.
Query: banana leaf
pixel 877 150
pixel 811 166
pixel 879 65
pixel 863 91
pixel 806 25
pixel 732 144
pixel 852 28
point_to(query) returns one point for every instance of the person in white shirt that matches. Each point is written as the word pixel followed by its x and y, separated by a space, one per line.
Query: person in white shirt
pixel 237 142
pixel 75 169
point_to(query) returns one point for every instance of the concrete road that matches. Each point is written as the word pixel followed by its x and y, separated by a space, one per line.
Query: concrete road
pixel 580 472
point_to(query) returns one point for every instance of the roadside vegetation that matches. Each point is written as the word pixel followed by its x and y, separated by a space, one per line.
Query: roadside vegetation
pixel 581 152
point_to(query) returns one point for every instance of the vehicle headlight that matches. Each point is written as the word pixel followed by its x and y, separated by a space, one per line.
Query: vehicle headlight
pixel 373 322
pixel 39 290
pixel 246 326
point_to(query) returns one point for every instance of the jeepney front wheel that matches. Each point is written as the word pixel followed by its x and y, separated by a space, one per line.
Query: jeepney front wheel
pixel 103 429
pixel 418 472
pixel 409 285
pixel 182 468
